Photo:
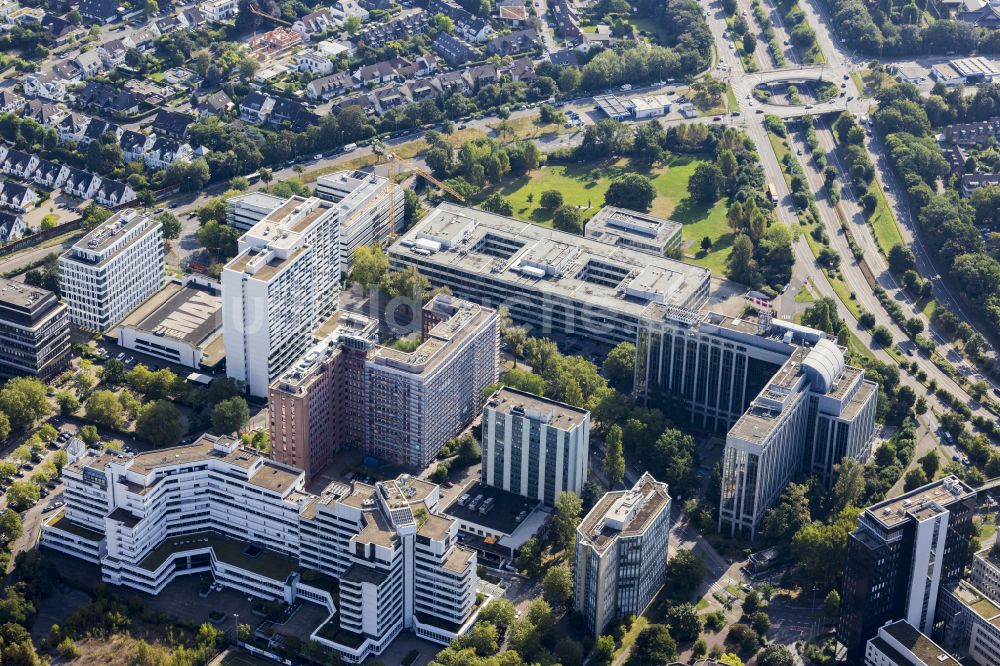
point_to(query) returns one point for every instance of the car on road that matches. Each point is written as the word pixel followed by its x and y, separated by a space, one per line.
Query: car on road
pixel 759 111
pixel 448 484
pixel 846 77
pixel 717 118
pixel 350 147
pixel 318 157
pixel 52 506
pixel 809 106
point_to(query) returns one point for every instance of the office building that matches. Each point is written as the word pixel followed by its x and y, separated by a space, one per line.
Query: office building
pixel 184 328
pixel 283 282
pixel 899 644
pixel 639 231
pixel 969 623
pixel 902 552
pixel 106 274
pixel 985 575
pixel 782 391
pixel 379 559
pixel 243 211
pixel 317 405
pixel 555 283
pixel 34 331
pixel 533 446
pixel 419 400
pixel 621 553
pixel 362 202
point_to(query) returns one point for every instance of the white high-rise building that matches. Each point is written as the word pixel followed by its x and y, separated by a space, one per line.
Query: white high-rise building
pixel 621 553
pixel 245 210
pixel 533 446
pixel 109 272
pixel 379 558
pixel 281 285
pixel 363 205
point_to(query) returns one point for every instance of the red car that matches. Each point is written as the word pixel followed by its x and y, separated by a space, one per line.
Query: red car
pixel 448 484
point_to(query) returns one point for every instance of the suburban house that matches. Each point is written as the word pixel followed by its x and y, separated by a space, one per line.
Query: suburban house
pixel 165 152
pixel 454 50
pixel 19 164
pixel 17 197
pixel 520 41
pixel 102 11
pixel 72 128
pixel 192 18
pixel 46 113
pixel 108 99
pixel 172 123
pixel 81 184
pixel 343 9
pixel 330 86
pixel 12 226
pixel 97 128
pixel 113 52
pixel 134 145
pixel 313 61
pixel 90 64
pixel 49 174
pixel 256 107
pixel 314 23
pixel 112 193
pixel 46 86
pixel 216 104
pixel 10 102
pixel 219 10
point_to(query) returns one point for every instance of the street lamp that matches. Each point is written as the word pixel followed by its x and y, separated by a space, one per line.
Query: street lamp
pixel 237 616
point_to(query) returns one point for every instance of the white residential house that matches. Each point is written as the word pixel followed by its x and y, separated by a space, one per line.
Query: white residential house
pixel 17 197
pixel 10 102
pixel 19 164
pixel 342 9
pixel 330 86
pixel 46 86
pixel 314 23
pixel 313 61
pixel 49 174
pixel 165 152
pixel 113 193
pixel 73 128
pixel 81 184
pixel 135 144
pixel 113 52
pixel 90 63
pixel 220 10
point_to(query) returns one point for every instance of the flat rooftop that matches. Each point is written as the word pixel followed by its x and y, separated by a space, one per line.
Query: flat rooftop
pixel 611 225
pixel 502 518
pixel 191 315
pixel 977 602
pixel 612 105
pixel 355 189
pixel 552 413
pixel 444 340
pixel 20 295
pixel 234 552
pixel 623 513
pixel 977 66
pixel 923 648
pixel 944 491
pixel 60 522
pixel 110 231
pixel 528 257
pixel 262 200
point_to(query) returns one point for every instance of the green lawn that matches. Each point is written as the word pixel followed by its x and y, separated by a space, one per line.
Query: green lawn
pixel 883 222
pixel 734 105
pixel 858 82
pixel 650 26
pixel 584 185
pixel 803 295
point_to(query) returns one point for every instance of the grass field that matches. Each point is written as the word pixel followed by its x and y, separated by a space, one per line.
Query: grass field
pixel 804 295
pixel 650 26
pixel 584 185
pixel 734 104
pixel 884 223
pixel 858 83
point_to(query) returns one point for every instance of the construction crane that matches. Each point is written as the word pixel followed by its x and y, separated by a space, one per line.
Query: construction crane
pixel 256 11
pixel 393 161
